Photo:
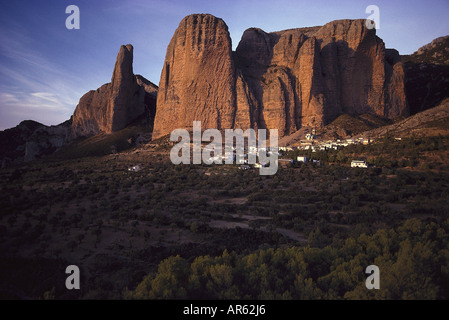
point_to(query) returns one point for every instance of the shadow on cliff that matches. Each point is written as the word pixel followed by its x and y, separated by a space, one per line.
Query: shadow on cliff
pixel 426 85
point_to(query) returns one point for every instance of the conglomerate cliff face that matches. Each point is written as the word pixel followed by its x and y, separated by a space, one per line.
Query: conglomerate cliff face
pixel 283 80
pixel 198 77
pixel 116 104
pixel 427 75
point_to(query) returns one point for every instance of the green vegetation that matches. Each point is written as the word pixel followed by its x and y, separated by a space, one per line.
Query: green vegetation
pixel 218 232
pixel 419 153
pixel 410 269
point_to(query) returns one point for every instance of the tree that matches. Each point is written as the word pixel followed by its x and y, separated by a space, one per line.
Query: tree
pixel 341 157
pixel 169 283
pixel 220 282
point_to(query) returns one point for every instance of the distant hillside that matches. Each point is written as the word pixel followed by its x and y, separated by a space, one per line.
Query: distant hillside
pixel 103 144
pixel 431 122
pixel 344 126
pixel 31 140
pixel 436 52
pixel 427 75
pixel 13 141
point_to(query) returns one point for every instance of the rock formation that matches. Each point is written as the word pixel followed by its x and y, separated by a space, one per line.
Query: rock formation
pixel 284 80
pixel 46 140
pixel 31 140
pixel 115 105
pixel 427 75
pixel 197 80
pixel 127 99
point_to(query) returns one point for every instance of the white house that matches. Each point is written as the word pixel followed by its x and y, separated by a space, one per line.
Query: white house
pixel 310 136
pixel 301 159
pixel 359 164
pixel 286 148
pixel 253 149
pixel 135 168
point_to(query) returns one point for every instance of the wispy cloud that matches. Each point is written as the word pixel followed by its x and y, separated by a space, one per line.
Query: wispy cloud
pixel 32 86
pixel 43 101
pixel 46 96
pixel 49 100
pixel 43 107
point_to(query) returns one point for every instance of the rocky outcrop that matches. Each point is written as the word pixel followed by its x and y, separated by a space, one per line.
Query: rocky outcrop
pixel 436 52
pixel 284 80
pixel 46 140
pixel 31 140
pixel 116 104
pixel 198 77
pixel 427 75
pixel 13 141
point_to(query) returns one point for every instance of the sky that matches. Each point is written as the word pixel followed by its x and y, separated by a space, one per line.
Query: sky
pixel 45 68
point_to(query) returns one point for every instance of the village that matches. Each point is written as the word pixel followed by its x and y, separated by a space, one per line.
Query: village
pixel 245 156
pixel 311 143
pixel 314 142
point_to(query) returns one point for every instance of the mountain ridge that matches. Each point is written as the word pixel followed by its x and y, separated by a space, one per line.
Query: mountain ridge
pixel 257 78
pixel 284 80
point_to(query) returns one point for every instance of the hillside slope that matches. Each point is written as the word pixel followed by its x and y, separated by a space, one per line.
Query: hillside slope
pixel 427 75
pixel 431 122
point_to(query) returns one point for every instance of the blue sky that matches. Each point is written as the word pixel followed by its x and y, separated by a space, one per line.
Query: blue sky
pixel 45 68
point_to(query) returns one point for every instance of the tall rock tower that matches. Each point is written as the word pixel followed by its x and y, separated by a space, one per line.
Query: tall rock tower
pixel 116 104
pixel 197 80
pixel 281 80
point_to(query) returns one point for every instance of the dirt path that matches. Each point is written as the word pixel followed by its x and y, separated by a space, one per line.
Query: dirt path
pixel 244 225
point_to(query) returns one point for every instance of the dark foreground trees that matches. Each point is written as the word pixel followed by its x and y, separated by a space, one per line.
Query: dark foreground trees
pixel 413 260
